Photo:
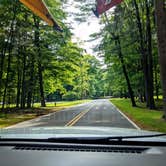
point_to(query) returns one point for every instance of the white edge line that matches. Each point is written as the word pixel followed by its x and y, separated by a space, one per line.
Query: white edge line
pixel 127 118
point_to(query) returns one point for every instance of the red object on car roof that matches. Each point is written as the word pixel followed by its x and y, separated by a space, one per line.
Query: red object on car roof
pixel 104 5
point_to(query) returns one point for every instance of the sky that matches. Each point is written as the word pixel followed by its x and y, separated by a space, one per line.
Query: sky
pixel 82 31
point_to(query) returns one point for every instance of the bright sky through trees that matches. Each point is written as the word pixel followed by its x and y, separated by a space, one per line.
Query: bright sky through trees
pixel 83 30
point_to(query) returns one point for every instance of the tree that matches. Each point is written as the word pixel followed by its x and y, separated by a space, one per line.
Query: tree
pixel 10 42
pixel 136 33
pixel 27 45
pixel 115 36
pixel 161 32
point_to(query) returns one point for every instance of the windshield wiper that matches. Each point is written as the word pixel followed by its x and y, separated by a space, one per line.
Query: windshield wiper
pixel 121 138
pixel 115 140
pixel 106 139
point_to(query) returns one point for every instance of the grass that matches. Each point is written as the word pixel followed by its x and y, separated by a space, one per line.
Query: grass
pixel 62 104
pixel 11 119
pixel 17 116
pixel 143 117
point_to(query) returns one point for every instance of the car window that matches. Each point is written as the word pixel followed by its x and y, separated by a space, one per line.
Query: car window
pixel 86 64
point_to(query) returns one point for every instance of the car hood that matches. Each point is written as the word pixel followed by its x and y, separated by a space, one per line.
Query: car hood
pixel 75 132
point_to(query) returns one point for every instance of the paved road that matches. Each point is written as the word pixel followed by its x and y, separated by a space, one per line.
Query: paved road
pixel 95 113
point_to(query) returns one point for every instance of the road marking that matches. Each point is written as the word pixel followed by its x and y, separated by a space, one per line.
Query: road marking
pixel 126 117
pixel 77 118
pixel 28 123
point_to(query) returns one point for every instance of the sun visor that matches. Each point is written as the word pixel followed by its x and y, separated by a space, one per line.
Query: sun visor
pixel 39 8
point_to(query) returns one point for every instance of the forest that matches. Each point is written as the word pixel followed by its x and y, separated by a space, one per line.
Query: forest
pixel 131 44
pixel 38 64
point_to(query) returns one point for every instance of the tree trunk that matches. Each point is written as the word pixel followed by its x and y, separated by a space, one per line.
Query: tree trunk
pixel 6 46
pixel 42 99
pixel 156 82
pixel 10 47
pixel 150 87
pixel 23 95
pixel 131 93
pixel 2 63
pixel 143 51
pixel 118 44
pixel 7 79
pixel 161 32
pixel 31 82
pixel 40 70
pixel 18 78
pixel 18 89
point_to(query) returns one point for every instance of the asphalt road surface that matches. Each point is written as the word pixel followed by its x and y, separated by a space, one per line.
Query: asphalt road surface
pixel 94 113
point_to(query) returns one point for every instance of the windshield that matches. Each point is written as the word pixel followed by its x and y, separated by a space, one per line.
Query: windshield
pixel 95 65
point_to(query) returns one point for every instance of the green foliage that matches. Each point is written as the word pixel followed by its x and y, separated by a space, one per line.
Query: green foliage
pixel 38 62
pixel 122 22
pixel 66 71
pixel 69 96
pixel 28 49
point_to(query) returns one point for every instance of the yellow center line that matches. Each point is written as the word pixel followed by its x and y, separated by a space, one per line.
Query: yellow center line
pixel 77 118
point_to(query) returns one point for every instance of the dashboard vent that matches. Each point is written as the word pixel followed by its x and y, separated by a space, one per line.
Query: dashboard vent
pixel 82 149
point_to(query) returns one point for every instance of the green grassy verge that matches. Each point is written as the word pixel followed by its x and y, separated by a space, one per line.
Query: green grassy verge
pixel 52 104
pixel 143 117
pixel 17 116
pixel 62 104
pixel 11 119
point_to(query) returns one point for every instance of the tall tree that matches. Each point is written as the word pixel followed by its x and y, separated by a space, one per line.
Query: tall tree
pixel 160 7
pixel 150 101
pixel 40 69
pixel 10 47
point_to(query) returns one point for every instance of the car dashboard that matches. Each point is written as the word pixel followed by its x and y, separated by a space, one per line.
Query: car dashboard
pixel 71 154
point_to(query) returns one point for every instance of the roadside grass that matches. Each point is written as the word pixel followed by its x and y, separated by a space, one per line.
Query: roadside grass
pixel 11 119
pixel 51 104
pixel 62 103
pixel 143 117
pixel 17 116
